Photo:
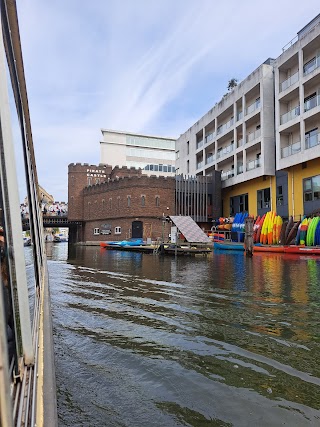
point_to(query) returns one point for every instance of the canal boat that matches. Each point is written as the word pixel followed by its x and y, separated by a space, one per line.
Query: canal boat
pixel 228 246
pixel 27 374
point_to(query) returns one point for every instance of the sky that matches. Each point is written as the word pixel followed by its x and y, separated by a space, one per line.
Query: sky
pixel 147 66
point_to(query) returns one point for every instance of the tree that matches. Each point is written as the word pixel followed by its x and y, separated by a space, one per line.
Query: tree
pixel 232 83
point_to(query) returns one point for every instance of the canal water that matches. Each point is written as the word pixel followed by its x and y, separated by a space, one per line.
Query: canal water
pixel 224 340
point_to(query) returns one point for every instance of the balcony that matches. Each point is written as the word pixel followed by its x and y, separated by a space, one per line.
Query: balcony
pixel 209 137
pixel 240 142
pixel 312 103
pixel 226 175
pixel 253 135
pixel 239 115
pixel 290 115
pixel 253 106
pixel 312 141
pixel 199 144
pixel 289 82
pixel 226 126
pixel 311 65
pixel 239 169
pixel 226 150
pixel 253 164
pixel 289 150
pixel 210 159
pixel 199 164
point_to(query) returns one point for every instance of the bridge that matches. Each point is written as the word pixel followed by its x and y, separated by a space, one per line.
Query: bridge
pixel 50 221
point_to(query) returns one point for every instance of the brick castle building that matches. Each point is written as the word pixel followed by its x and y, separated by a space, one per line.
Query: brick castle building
pixel 118 203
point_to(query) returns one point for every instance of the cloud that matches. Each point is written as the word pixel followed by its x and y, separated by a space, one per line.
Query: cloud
pixel 141 66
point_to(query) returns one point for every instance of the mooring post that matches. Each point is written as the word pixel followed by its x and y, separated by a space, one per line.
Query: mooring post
pixel 248 236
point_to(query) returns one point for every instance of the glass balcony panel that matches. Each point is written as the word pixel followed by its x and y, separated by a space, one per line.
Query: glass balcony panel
pixel 289 82
pixel 312 141
pixel 226 175
pixel 239 115
pixel 311 65
pixel 290 115
pixel 209 137
pixel 199 164
pixel 253 164
pixel 224 127
pixel 240 142
pixel 239 169
pixel 226 150
pixel 289 150
pixel 210 159
pixel 254 106
pixel 312 103
pixel 199 143
pixel 253 135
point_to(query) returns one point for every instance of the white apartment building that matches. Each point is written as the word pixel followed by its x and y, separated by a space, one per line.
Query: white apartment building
pixel 297 117
pixel 236 136
pixel 154 155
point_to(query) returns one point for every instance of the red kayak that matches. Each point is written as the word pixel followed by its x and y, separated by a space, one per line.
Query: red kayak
pixel 302 250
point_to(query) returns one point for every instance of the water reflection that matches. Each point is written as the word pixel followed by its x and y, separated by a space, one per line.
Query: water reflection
pixel 157 341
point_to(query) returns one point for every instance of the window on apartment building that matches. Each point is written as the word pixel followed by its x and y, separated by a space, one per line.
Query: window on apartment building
pixel 157 201
pixel 243 203
pixel 279 195
pixel 117 230
pixel 128 201
pixel 177 155
pixel 311 188
pixel 263 198
pixel 143 200
pixel 188 144
pixel 96 231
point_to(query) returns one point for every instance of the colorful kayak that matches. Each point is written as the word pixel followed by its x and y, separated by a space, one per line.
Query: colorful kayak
pixel 268 248
pixel 229 246
pixel 302 250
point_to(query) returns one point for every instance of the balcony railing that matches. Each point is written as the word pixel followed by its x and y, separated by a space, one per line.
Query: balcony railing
pixel 199 164
pixel 226 150
pixel 209 137
pixel 239 115
pixel 289 150
pixel 199 144
pixel 223 128
pixel 226 175
pixel 289 82
pixel 253 164
pixel 312 141
pixel 290 115
pixel 210 159
pixel 254 106
pixel 312 103
pixel 253 135
pixel 311 65
pixel 239 169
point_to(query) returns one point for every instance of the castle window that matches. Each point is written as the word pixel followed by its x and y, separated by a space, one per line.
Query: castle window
pixel 89 180
pixel 96 231
pixel 110 203
pixel 128 201
pixel 118 201
pixel 157 201
pixel 117 230
pixel 143 200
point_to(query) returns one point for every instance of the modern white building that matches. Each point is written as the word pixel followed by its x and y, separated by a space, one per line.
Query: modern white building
pixel 297 117
pixel 154 155
pixel 235 137
pixel 264 135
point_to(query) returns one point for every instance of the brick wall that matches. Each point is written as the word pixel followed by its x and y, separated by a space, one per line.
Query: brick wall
pixel 125 196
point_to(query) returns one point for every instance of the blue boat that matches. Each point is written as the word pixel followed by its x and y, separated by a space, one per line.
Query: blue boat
pixel 229 246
